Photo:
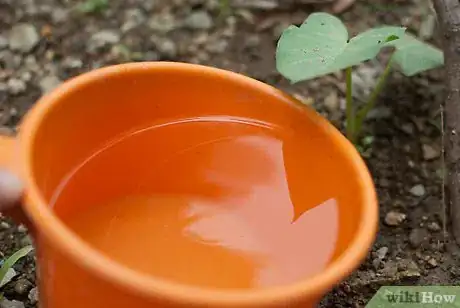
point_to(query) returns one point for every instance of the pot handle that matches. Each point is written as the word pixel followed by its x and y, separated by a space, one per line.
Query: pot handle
pixel 7 162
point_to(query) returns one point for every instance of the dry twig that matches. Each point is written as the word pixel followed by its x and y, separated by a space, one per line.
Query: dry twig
pixel 448 12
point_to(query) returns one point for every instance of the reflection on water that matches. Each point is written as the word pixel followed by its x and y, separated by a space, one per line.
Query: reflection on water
pixel 212 203
pixel 256 218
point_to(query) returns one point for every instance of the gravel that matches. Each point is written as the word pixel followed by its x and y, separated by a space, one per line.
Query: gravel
pixel 48 83
pixel 418 190
pixel 3 42
pixel 16 86
pixel 394 218
pixel 33 295
pixel 102 39
pixel 23 37
pixel 133 18
pixel 5 303
pixel 163 23
pixel 45 42
pixel 200 20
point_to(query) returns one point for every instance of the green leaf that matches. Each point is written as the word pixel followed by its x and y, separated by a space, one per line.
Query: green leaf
pixel 307 51
pixel 21 253
pixel 93 6
pixel 366 46
pixel 321 46
pixel 414 56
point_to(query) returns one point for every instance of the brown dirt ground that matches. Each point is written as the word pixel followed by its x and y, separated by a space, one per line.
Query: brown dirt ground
pixel 407 121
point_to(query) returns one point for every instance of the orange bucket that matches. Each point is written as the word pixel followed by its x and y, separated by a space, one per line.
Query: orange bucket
pixel 66 126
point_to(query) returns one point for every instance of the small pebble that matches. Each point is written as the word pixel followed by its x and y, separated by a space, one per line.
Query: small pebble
pixel 417 237
pixel 72 63
pixel 4 225
pixel 200 20
pixel 218 46
pixel 103 38
pixel 133 18
pixel 48 83
pixel 430 152
pixel 409 269
pixel 22 286
pixel 162 23
pixel 427 27
pixel 3 42
pixel 16 86
pixel 33 295
pixel 418 190
pixel 26 76
pixel 394 218
pixel 26 241
pixel 434 227
pixel 252 41
pixel 331 102
pixel 22 228
pixel 382 252
pixel 59 15
pixel 23 37
pixel 5 303
pixel 390 269
pixel 432 262
pixel 167 48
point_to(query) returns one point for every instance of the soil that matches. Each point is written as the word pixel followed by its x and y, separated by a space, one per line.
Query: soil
pixel 404 158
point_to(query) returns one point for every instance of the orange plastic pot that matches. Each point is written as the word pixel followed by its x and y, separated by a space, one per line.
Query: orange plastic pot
pixel 67 125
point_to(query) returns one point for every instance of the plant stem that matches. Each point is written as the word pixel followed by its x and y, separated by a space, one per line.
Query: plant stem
pixel 373 98
pixel 225 7
pixel 350 112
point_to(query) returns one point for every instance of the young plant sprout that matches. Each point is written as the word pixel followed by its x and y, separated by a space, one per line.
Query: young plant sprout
pixel 321 45
pixel 11 261
pixel 93 6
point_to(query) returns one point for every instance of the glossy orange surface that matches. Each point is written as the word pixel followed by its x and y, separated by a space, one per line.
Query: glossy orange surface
pixel 82 116
pixel 208 202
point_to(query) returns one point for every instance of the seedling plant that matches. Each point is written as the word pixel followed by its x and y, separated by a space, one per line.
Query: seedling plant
pixel 321 45
pixel 10 262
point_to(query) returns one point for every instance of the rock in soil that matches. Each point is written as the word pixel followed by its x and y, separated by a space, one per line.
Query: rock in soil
pixel 167 48
pixel 72 63
pixel 200 20
pixel 418 190
pixel 11 304
pixel 48 83
pixel 432 262
pixel 59 15
pixel 133 18
pixel 162 23
pixel 418 236
pixel 394 218
pixel 430 152
pixel 22 286
pixel 434 227
pixel 382 252
pixel 16 86
pixel 23 37
pixel 331 102
pixel 103 38
pixel 33 295
pixel 9 61
pixel 3 42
